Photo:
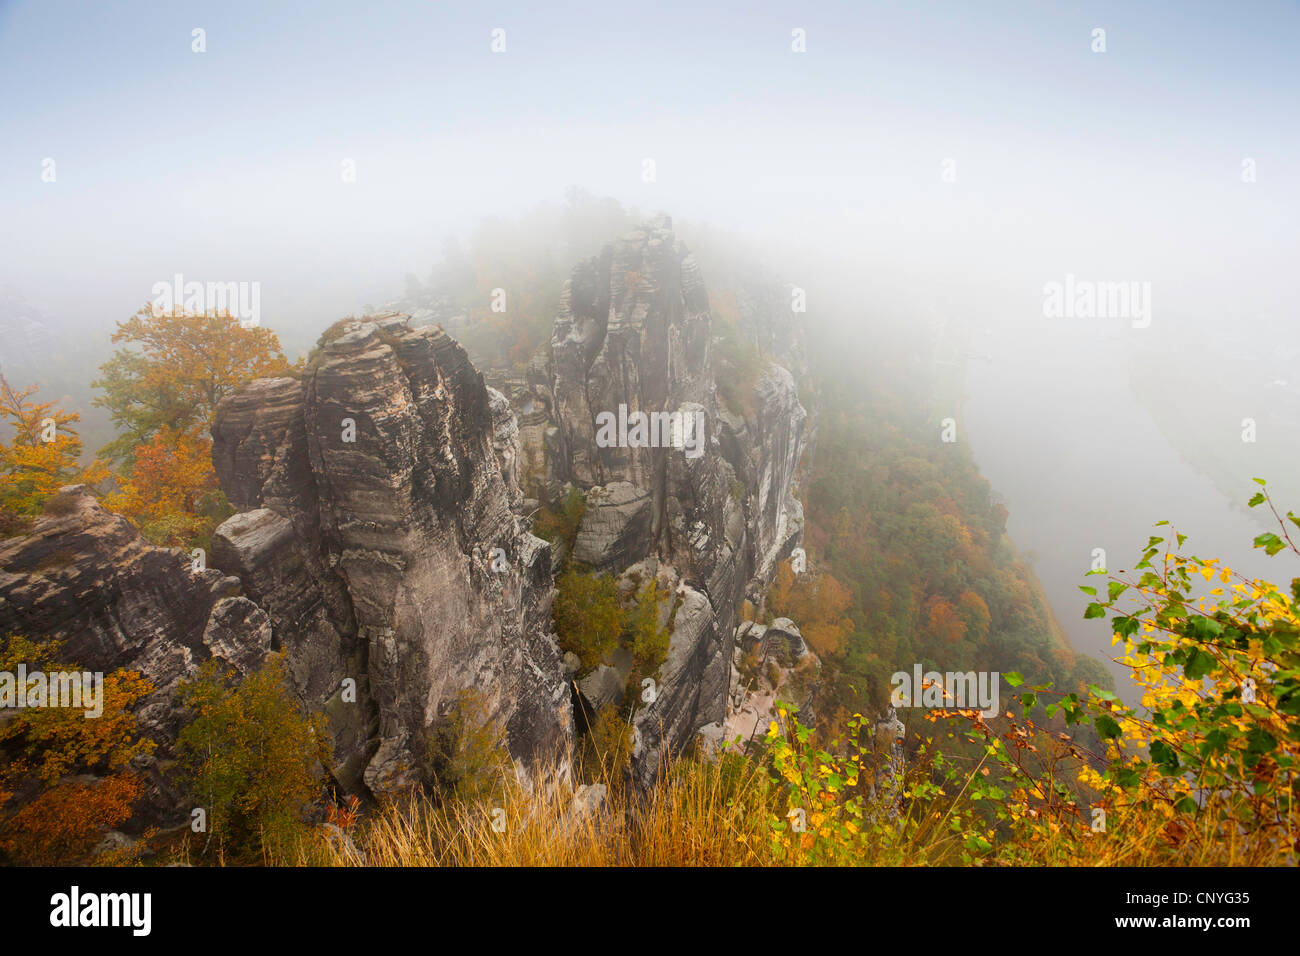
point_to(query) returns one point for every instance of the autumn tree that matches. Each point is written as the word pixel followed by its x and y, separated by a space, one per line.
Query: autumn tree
pixel 162 392
pixel 974 613
pixel 175 369
pixel 41 456
pixel 64 779
pixel 645 636
pixel 171 491
pixel 942 622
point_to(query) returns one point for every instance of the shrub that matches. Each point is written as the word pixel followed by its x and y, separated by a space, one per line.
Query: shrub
pixel 1204 772
pixel 588 616
pixel 562 525
pixel 467 751
pixel 607 748
pixel 62 825
pixel 646 637
pixel 251 756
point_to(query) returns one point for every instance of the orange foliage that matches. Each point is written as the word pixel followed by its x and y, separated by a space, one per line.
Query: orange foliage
pixel 47 749
pixel 171 475
pixel 974 614
pixel 43 454
pixel 162 392
pixel 62 825
pixel 942 621
pixel 194 360
pixel 817 603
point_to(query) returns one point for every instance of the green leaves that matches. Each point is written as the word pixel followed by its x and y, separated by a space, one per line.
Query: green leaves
pixel 1165 757
pixel 1270 542
pixel 1260 741
pixel 1124 626
pixel 1198 664
pixel 1106 726
pixel 1125 777
pixel 250 755
pixel 1216 741
pixel 1204 629
pixel 588 616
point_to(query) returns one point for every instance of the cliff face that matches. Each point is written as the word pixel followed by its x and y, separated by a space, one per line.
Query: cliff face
pixel 635 333
pixel 765 451
pixel 382 541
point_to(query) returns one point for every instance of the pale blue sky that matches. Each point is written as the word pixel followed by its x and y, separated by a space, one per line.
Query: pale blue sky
pixel 226 164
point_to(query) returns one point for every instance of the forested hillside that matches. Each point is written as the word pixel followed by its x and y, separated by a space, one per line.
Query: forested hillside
pixel 908 525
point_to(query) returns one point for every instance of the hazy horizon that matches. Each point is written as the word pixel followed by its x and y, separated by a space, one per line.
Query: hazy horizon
pixel 225 164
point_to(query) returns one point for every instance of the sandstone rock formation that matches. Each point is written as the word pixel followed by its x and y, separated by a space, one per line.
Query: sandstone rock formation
pixel 635 332
pixel 770 663
pixel 382 539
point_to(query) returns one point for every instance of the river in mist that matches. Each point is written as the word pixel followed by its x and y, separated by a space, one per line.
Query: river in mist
pixel 1080 464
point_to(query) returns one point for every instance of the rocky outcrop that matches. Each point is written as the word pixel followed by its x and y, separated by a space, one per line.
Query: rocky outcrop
pixel 633 331
pixel 765 453
pixel 505 444
pixel 390 469
pixel 771 665
pixel 85 577
pixel 691 685
pixel 615 527
pixel 634 336
pixel 381 537
pixel 781 636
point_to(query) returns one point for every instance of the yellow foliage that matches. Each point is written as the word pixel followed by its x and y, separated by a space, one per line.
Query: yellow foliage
pixel 43 453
